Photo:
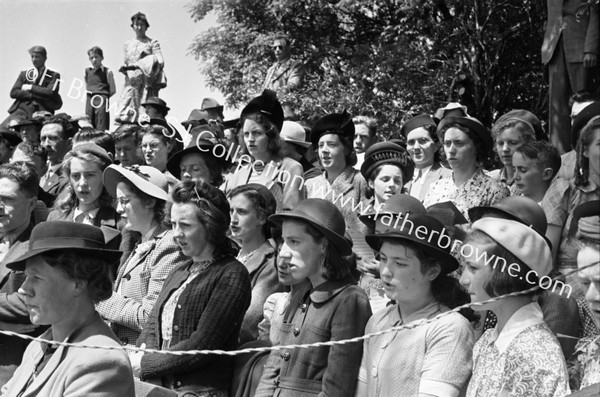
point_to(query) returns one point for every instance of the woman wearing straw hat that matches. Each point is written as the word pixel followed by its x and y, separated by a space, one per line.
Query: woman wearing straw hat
pixel 202 302
pixel 332 307
pixel 251 205
pixel 67 267
pixel 467 144
pixel 430 359
pixel 520 355
pixel 141 194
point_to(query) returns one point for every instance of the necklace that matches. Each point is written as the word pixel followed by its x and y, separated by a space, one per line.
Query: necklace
pixel 244 258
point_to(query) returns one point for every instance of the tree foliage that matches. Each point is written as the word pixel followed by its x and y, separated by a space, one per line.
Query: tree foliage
pixel 391 59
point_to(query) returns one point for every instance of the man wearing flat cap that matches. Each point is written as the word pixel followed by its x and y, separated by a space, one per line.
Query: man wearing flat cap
pixel 286 74
pixel 35 89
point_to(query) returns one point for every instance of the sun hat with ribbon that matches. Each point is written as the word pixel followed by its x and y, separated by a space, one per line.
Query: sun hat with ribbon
pixel 148 179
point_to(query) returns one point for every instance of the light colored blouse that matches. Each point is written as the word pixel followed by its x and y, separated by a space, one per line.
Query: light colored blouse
pixel 433 358
pixel 524 359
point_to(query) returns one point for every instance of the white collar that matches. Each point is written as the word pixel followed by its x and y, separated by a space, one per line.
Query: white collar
pixel 527 316
pixel 423 170
pixel 91 214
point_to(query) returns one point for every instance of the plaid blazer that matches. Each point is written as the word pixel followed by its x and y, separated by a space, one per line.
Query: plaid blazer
pixel 140 280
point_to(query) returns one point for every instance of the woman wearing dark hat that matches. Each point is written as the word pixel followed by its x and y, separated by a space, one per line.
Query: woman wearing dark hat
pixel 387 167
pixel 67 269
pixel 198 161
pixel 466 145
pixel 251 205
pixel 261 121
pixel 84 199
pixel 520 356
pixel 509 132
pixel 332 308
pixel 141 194
pixel 143 70
pixel 202 302
pixel 423 145
pixel 430 359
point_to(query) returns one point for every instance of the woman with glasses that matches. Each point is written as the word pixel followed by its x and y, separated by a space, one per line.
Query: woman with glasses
pixel 423 146
pixel 141 194
pixel 202 302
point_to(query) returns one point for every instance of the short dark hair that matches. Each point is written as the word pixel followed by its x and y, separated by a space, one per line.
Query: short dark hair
pixel 544 152
pixel 79 265
pixel 212 211
pixel 100 138
pixel 30 150
pixel 24 175
pixel 581 96
pixel 159 131
pixel 125 131
pixel 583 143
pixel 139 17
pixel 261 205
pixel 283 37
pixel 95 50
pixel 481 152
pixel 68 130
pixel 500 282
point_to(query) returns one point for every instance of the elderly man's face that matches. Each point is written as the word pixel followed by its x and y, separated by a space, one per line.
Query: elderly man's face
pixel 38 60
pixel 281 50
pixel 15 206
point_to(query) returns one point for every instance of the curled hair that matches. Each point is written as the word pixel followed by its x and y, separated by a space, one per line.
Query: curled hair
pixel 100 138
pixel 24 175
pixel 526 131
pixel 31 150
pixel 271 131
pixel 212 212
pixel 582 170
pixel 335 265
pixel 481 153
pixel 500 282
pixel 67 128
pixel 80 265
pixel 159 131
pixel 158 210
pixel 368 122
pixel 127 131
pixel 264 209
pixel 67 198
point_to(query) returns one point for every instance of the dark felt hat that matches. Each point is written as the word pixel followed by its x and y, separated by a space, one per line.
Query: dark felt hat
pixel 268 105
pixel 517 208
pixel 387 153
pixel 334 123
pixel 586 114
pixel 196 117
pixel 423 230
pixel 396 206
pixel 473 125
pixel 323 216
pixel 421 120
pixel 26 122
pixel 156 101
pixel 11 137
pixel 92 148
pixel 528 118
pixel 62 236
pixel 199 145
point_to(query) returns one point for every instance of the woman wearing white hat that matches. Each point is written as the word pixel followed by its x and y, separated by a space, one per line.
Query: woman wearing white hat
pixel 141 193
pixel 520 356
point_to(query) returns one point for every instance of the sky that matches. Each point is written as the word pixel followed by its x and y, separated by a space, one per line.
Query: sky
pixel 68 28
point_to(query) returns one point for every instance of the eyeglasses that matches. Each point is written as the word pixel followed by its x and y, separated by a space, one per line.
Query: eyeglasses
pixel 278 47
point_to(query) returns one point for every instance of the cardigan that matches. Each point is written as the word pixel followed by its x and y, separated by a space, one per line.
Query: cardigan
pixel 208 316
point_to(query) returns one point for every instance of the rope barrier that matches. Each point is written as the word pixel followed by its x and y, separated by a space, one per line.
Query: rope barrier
pixel 411 325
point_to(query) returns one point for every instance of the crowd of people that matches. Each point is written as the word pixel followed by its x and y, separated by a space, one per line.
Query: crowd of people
pixel 482 246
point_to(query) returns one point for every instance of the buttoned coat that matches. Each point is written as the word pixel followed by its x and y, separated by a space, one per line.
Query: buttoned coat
pixel 74 371
pixel 42 96
pixel 579 37
pixel 334 310
pixel 55 184
pixel 287 76
pixel 208 315
pixel 140 280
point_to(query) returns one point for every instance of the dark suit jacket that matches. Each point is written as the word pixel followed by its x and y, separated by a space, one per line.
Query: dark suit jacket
pixel 13 309
pixel 43 95
pixel 55 184
pixel 578 37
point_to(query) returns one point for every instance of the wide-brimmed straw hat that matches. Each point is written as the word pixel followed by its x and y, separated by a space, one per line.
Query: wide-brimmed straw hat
pixel 422 230
pixel 148 179
pixel 63 236
pixel 323 216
